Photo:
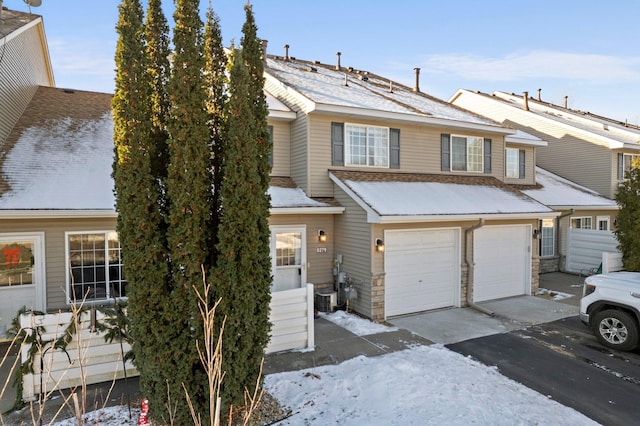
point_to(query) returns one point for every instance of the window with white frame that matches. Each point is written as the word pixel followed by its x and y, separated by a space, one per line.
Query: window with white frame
pixel 628 160
pixel 366 146
pixel 94 263
pixel 467 153
pixel 603 223
pixel 583 222
pixel 512 163
pixel 547 237
pixel 16 262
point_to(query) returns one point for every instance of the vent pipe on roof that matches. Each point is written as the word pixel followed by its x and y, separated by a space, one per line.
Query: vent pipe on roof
pixel 525 98
pixel 286 53
pixel 540 95
pixel 346 80
pixel 416 88
pixel 566 103
pixel 338 54
pixel 390 86
pixel 263 44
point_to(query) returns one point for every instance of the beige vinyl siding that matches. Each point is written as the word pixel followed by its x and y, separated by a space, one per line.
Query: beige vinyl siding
pixel 530 166
pixel 299 154
pixel 355 242
pixel 298 135
pixel 591 168
pixel 24 68
pixel 55 255
pixel 281 149
pixel 419 151
pixel 319 265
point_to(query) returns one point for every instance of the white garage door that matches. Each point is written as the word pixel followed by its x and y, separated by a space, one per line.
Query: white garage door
pixel 502 258
pixel 422 270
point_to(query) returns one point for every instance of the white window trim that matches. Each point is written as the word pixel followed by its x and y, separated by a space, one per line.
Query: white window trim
pixel 39 265
pixel 583 218
pixel 467 137
pixel 69 300
pixel 553 238
pixel 347 156
pixel 606 219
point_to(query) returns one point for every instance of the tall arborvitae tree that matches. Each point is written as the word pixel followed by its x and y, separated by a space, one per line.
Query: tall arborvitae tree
pixel 628 227
pixel 243 276
pixel 189 185
pixel 253 55
pixel 157 38
pixel 137 200
pixel 216 82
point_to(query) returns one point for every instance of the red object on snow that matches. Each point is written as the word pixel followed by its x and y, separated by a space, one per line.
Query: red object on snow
pixel 143 418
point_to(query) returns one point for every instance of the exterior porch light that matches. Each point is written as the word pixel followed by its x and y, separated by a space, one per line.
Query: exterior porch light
pixel 379 245
pixel 322 236
pixel 536 233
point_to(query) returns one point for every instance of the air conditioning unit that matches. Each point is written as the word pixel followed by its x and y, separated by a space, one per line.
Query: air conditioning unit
pixel 326 300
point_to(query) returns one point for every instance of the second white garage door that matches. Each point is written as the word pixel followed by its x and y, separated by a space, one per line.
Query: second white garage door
pixel 502 258
pixel 422 270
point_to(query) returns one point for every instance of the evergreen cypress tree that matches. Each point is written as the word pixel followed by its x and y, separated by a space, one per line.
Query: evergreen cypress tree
pixel 189 185
pixel 628 229
pixel 216 81
pixel 137 193
pixel 243 276
pixel 157 38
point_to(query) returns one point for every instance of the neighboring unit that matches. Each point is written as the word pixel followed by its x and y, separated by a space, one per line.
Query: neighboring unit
pixel 434 215
pixel 587 151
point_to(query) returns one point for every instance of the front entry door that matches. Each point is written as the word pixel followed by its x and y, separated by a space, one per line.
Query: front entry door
pixel 21 275
pixel 288 257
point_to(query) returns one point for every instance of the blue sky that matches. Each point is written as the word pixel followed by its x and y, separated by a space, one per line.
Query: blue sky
pixel 587 50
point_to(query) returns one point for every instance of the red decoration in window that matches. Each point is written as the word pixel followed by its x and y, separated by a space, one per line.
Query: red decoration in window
pixel 11 256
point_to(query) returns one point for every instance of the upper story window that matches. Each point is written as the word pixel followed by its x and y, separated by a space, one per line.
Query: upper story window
pixel 365 146
pixel 94 262
pixel 514 163
pixel 625 162
pixel 581 222
pixel 465 153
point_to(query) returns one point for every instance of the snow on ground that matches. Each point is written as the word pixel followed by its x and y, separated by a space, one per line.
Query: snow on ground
pixel 555 295
pixel 425 385
pixel 355 324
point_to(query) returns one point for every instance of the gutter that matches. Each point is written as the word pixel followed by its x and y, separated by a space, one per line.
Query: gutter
pixel 571 212
pixel 470 272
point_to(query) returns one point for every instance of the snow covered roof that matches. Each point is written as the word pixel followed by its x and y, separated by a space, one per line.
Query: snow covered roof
pixel 617 135
pixel 556 192
pixel 400 197
pixel 524 138
pixel 59 158
pixel 322 88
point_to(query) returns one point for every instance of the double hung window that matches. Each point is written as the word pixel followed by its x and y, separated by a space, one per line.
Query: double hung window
pixel 467 153
pixel 547 237
pixel 581 222
pixel 94 263
pixel 366 146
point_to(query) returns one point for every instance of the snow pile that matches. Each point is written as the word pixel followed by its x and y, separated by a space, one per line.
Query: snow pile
pixel 355 324
pixel 426 385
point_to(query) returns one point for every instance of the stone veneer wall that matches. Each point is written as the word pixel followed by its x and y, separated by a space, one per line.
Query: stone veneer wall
pixel 535 275
pixel 377 297
pixel 549 264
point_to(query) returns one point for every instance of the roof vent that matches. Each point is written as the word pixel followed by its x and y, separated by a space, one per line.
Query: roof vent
pixel 525 99
pixel 566 102
pixel 390 86
pixel 416 88
pixel 346 80
pixel 338 54
pixel 312 69
pixel 286 52
pixel 350 69
pixel 68 91
pixel 263 44
pixel 363 77
pixel 316 62
pixel 540 95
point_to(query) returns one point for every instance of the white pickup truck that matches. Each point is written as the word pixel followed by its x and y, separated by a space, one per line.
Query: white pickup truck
pixel 610 305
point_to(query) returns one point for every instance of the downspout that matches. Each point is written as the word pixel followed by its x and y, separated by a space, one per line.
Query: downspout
pixel 572 211
pixel 470 272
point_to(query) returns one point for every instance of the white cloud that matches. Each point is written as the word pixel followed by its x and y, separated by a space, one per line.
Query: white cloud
pixel 537 64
